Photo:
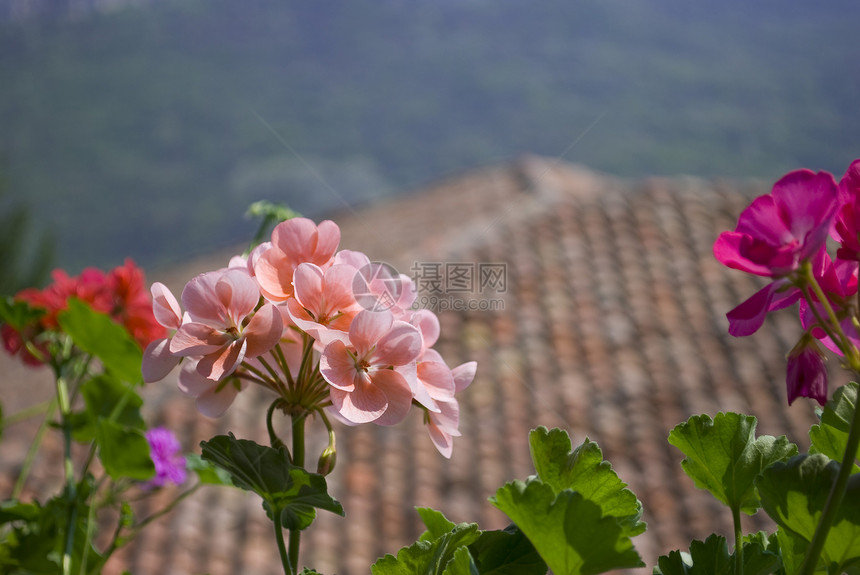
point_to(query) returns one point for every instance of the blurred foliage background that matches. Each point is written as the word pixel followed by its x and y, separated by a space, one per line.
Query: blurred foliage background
pixel 146 128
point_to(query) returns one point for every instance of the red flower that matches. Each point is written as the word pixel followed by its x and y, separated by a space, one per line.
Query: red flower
pixel 120 294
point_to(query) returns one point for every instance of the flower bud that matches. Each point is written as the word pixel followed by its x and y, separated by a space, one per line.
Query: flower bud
pixel 327 460
pixel 806 374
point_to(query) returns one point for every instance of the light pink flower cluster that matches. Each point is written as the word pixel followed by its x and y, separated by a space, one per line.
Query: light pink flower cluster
pixel 288 317
pixel 783 236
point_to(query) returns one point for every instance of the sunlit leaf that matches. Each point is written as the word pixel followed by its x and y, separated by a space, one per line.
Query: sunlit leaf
pixel 830 437
pixel 794 493
pixel 99 335
pixel 206 471
pixel 584 470
pixel 569 531
pixel 432 557
pixel 724 456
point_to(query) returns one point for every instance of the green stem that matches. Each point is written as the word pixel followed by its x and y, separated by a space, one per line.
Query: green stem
pixel 273 437
pixel 739 541
pixel 282 548
pixel 69 471
pixel 298 461
pixel 34 449
pixel 167 509
pixel 834 331
pixel 28 412
pixel 834 498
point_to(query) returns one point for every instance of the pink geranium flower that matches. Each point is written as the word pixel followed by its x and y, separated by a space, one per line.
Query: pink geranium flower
pixel 212 397
pixel 365 375
pixel 444 425
pixel 294 242
pixel 773 236
pixel 158 361
pixel 224 327
pixel 324 305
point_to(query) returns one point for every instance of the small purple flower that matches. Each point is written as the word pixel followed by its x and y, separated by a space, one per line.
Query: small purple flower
pixel 165 453
pixel 806 375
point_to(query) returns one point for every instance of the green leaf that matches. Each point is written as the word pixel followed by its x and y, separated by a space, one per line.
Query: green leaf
pixel 13 510
pixel 761 554
pixel 506 552
pixel 793 495
pixel 437 524
pixel 585 471
pixel 99 335
pixel 108 398
pixel 432 557
pixel 288 492
pixel 206 471
pixel 792 550
pixel 461 563
pixel 37 540
pixel 830 437
pixel 18 314
pixel 712 557
pixel 568 531
pixel 724 457
pixel 123 451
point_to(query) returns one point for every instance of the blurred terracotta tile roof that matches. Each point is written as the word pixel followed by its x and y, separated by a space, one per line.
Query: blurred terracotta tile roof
pixel 613 327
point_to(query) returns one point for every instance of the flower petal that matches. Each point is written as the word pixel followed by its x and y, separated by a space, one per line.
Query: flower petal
pixel 749 316
pixel 397 394
pixel 399 346
pixel 264 330
pixel 197 339
pixel 464 374
pixel 437 380
pixel 215 402
pixel 337 366
pixel 158 361
pixel 362 406
pixel 165 307
pixel 216 366
pixel 367 328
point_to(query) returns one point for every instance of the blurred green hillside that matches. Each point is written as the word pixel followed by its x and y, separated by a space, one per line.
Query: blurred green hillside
pixel 147 131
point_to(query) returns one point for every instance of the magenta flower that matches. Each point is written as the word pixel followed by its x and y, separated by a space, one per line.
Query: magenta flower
pixel 780 230
pixel 806 374
pixel 366 379
pixel 164 449
pixel 773 236
pixel 224 327
pixel 847 228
